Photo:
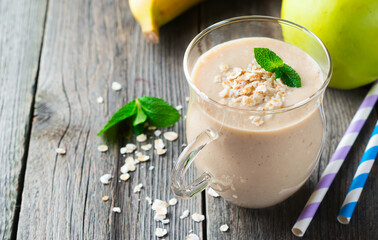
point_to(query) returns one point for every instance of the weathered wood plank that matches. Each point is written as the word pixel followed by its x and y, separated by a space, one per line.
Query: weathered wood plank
pixel 88 45
pixel 276 222
pixel 21 30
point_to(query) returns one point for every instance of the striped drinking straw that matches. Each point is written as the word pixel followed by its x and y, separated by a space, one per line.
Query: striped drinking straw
pixel 335 162
pixel 359 178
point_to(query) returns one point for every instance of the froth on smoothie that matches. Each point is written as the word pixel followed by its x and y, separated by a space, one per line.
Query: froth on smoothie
pixel 258 159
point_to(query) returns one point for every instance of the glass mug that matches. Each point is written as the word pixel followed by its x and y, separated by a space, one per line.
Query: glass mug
pixel 248 167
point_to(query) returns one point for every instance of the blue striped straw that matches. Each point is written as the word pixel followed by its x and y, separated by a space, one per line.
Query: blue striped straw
pixel 359 178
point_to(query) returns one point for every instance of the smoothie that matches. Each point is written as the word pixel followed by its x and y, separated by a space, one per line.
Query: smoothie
pixel 259 158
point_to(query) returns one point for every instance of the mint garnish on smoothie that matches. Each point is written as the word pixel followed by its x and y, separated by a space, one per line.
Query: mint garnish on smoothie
pixel 269 60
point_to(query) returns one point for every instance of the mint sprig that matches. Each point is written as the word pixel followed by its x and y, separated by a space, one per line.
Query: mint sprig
pixel 269 60
pixel 155 111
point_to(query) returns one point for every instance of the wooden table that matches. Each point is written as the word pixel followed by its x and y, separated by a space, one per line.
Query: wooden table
pixel 57 57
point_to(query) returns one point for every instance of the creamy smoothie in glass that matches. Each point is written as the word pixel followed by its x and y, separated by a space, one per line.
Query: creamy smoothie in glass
pixel 254 139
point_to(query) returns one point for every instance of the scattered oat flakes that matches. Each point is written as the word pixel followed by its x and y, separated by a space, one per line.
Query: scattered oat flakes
pixel 141 138
pixel 151 168
pixel 149 200
pixel 161 151
pixel 172 201
pixel 143 158
pixel 116 86
pixel 102 148
pixel 224 228
pixel 179 107
pixel 61 151
pixel 157 133
pixel 160 232
pixel 100 100
pixel 151 127
pixel 146 147
pixel 187 99
pixel 124 177
pixel 138 187
pixel 192 236
pixel 130 147
pixel 170 136
pixel 105 179
pixel 105 198
pixel 117 209
pixel 198 217
pixel 184 214
pixel 212 193
pixel 234 196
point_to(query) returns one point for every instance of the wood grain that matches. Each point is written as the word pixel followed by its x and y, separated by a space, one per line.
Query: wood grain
pixel 21 28
pixel 88 45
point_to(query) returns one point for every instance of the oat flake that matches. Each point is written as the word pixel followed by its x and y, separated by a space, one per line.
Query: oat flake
pixel 161 151
pixel 124 177
pixel 160 232
pixel 105 179
pixel 138 187
pixel 141 138
pixel 170 136
pixel 143 158
pixel 130 147
pixel 117 209
pixel 157 133
pixel 146 147
pixel 100 100
pixel 224 228
pixel 192 236
pixel 61 151
pixel 172 201
pixel 105 198
pixel 184 214
pixel 102 148
pixel 116 86
pixel 198 217
pixel 159 144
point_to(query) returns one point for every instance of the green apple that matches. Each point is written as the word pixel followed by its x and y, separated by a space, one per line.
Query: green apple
pixel 349 29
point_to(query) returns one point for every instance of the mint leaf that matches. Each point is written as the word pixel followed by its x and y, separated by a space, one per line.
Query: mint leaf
pixel 123 113
pixel 141 117
pixel 288 76
pixel 155 111
pixel 159 112
pixel 267 59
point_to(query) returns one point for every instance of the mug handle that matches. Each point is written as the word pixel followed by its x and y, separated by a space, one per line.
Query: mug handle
pixel 185 160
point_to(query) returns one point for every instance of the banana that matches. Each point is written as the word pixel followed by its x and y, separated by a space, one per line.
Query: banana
pixel 151 14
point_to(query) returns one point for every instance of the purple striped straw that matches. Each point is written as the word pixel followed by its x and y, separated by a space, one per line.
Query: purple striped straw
pixel 335 162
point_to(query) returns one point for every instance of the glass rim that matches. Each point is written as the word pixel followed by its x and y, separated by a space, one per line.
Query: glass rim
pixel 225 22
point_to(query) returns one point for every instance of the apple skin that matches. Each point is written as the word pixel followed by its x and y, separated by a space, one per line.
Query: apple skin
pixel 349 29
